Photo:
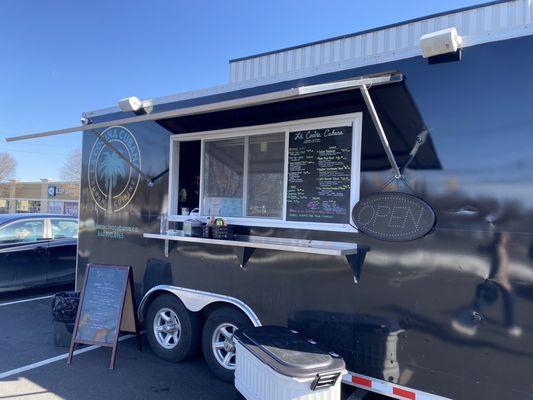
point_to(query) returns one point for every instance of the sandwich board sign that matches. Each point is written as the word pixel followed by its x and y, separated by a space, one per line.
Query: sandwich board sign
pixel 106 307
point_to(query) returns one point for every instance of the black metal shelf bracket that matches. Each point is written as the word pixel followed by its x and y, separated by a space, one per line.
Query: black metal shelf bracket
pixel 356 262
pixel 243 254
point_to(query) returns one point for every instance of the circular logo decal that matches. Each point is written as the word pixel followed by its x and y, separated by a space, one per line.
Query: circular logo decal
pixel 113 181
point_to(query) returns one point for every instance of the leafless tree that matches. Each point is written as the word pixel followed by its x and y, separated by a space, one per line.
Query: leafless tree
pixel 71 170
pixel 8 167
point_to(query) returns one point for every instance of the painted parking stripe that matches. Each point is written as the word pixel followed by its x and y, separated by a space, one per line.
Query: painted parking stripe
pixel 54 359
pixel 26 300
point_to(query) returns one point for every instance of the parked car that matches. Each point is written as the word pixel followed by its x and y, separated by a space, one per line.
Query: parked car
pixel 37 250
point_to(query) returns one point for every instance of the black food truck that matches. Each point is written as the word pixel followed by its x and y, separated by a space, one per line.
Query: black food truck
pixel 373 191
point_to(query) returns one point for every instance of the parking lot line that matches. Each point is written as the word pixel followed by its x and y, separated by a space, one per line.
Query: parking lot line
pixel 53 359
pixel 25 300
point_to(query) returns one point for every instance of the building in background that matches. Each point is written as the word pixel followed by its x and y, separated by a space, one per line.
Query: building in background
pixel 44 196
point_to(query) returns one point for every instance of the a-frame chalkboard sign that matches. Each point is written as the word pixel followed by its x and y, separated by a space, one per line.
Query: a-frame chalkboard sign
pixel 106 307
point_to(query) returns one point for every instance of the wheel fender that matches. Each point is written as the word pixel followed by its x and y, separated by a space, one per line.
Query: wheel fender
pixel 196 300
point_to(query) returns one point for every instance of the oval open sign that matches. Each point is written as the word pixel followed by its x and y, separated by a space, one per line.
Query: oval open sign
pixel 394 216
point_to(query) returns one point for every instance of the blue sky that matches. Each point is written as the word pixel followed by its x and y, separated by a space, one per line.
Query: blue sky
pixel 60 58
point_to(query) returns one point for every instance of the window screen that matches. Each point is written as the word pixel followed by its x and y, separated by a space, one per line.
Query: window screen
pixel 223 174
pixel 266 160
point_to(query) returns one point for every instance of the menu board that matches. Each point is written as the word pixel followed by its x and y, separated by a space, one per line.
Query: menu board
pixel 106 307
pixel 101 307
pixel 320 170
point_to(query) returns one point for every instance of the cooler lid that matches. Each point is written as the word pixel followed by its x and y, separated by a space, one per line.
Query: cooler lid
pixel 288 352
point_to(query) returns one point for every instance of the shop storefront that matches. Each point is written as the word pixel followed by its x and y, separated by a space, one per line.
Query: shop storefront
pixel 44 196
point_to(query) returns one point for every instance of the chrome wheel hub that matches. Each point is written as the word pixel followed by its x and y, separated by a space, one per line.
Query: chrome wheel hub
pixel 223 345
pixel 167 328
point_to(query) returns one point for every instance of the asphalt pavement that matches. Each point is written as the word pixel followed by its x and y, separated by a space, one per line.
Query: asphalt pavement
pixel 31 367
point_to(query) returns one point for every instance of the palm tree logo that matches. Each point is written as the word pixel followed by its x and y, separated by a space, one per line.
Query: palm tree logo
pixel 113 169
pixel 109 170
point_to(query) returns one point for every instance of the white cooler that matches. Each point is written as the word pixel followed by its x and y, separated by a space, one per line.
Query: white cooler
pixel 275 363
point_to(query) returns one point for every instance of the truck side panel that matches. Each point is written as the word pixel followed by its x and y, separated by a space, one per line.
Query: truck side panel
pixel 447 314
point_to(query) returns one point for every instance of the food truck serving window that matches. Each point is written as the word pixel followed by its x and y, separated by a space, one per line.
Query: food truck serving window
pixel 300 174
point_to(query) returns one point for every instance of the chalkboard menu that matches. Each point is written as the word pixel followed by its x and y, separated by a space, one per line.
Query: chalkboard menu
pixel 320 168
pixel 102 305
pixel 105 308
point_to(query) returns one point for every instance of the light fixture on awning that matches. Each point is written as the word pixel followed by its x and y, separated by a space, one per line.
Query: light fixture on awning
pixel 133 104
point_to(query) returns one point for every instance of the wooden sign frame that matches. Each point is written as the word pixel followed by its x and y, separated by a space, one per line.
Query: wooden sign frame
pixel 120 323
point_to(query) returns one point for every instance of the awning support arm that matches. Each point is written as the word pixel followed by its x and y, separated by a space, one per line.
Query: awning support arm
pixel 420 140
pixel 381 132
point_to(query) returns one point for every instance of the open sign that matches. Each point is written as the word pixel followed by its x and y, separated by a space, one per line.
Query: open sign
pixel 394 216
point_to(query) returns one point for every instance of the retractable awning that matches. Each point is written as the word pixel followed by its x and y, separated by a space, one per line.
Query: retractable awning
pixel 361 84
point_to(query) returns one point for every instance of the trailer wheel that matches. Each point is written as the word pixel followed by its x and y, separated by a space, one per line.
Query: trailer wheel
pixel 217 340
pixel 172 331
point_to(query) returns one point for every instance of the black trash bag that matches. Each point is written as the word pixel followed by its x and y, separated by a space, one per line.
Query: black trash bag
pixel 65 306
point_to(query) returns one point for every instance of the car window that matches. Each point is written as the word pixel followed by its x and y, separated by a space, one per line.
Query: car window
pixel 22 231
pixel 64 228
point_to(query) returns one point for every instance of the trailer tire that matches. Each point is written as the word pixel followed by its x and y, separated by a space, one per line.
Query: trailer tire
pixel 217 340
pixel 172 331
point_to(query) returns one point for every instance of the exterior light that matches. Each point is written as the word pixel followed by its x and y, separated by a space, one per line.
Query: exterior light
pixel 440 42
pixel 130 104
pixel 137 106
